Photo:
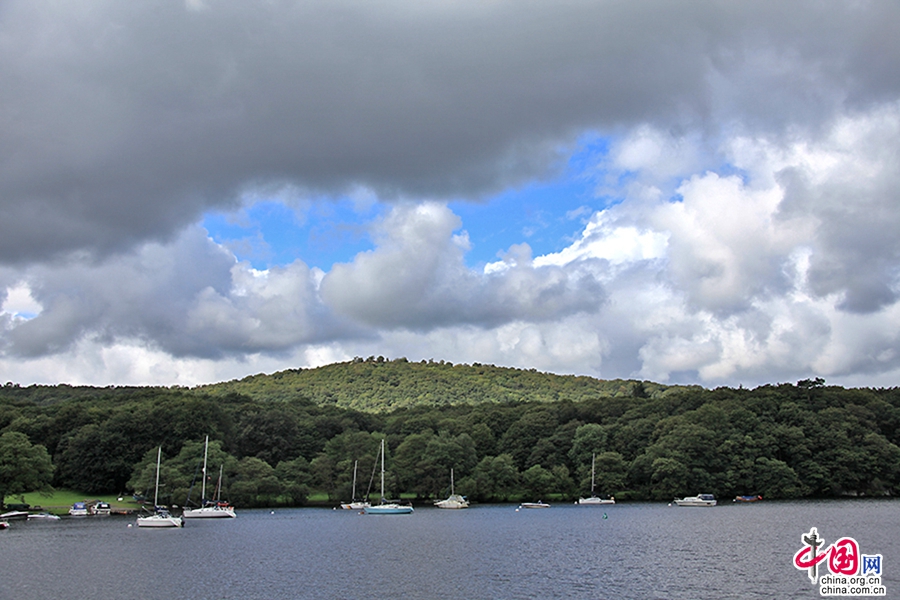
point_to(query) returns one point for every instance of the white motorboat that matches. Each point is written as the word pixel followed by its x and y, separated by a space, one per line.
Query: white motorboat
pixel 594 500
pixel 160 516
pixel 14 514
pixel 538 504
pixel 698 500
pixel 455 500
pixel 215 509
pixel 43 517
pixel 385 507
pixel 100 508
pixel 79 509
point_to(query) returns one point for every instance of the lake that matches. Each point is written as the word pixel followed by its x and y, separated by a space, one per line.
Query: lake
pixel 630 550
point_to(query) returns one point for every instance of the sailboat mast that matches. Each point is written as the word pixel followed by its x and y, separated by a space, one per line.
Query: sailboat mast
pixel 203 485
pixel 382 470
pixel 593 458
pixel 355 464
pixel 156 491
pixel 452 489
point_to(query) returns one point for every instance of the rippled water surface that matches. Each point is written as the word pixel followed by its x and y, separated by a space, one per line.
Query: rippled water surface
pixel 636 551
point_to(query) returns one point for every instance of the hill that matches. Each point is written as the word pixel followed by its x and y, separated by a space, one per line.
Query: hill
pixel 379 385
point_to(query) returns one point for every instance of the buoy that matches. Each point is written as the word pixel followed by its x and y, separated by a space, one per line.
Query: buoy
pixel 604 515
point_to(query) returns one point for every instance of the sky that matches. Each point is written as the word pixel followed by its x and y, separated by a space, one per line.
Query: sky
pixel 193 191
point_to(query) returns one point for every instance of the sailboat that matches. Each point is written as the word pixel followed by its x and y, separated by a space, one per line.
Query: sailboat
pixel 594 500
pixel 355 504
pixel 160 517
pixel 455 500
pixel 210 510
pixel 387 508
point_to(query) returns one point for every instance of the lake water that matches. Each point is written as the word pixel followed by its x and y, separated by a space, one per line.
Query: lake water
pixel 637 550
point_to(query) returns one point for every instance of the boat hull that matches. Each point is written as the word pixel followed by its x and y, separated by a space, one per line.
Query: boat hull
pixel 209 512
pixel 388 509
pixel 595 501
pixel 160 521
pixel 534 505
pixel 355 505
pixel 700 500
pixel 454 501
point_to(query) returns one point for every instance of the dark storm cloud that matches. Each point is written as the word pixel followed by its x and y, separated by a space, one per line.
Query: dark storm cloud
pixel 123 121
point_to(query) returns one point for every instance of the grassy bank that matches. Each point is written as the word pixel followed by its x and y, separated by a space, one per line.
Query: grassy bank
pixel 62 500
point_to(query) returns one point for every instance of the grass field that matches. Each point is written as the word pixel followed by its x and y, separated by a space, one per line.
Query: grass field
pixel 62 500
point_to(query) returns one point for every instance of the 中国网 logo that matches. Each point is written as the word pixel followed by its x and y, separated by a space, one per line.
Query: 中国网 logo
pixel 849 572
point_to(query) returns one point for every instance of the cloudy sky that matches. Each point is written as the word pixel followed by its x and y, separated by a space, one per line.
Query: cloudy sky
pixel 197 190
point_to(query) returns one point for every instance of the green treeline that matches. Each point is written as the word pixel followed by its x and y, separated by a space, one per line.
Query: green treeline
pixel 650 442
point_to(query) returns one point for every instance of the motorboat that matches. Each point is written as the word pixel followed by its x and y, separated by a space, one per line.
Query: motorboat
pixel 100 508
pixel 79 509
pixel 594 500
pixel 454 500
pixel 538 504
pixel 42 517
pixel 756 498
pixel 385 507
pixel 160 516
pixel 698 500
pixel 14 514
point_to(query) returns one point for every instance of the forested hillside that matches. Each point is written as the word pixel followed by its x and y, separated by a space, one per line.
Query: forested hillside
pixel 514 434
pixel 378 385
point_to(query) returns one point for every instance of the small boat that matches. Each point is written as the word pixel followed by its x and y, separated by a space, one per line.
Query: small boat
pixel 455 500
pixel 387 508
pixel 14 514
pixel 538 504
pixel 354 504
pixel 42 517
pixel 100 508
pixel 594 500
pixel 4 525
pixel 756 498
pixel 161 516
pixel 214 509
pixel 698 500
pixel 79 509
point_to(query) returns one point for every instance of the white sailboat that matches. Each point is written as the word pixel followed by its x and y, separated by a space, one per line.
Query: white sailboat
pixel 387 508
pixel 455 500
pixel 161 517
pixel 214 509
pixel 594 500
pixel 354 504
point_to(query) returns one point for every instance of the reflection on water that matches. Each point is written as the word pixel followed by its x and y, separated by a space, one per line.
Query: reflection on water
pixel 567 551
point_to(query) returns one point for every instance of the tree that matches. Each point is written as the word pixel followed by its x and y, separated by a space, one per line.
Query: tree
pixel 23 467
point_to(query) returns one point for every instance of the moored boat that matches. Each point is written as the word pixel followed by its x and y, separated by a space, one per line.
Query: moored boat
pixel 594 500
pixel 14 514
pixel 385 507
pixel 79 509
pixel 354 503
pixel 756 498
pixel 160 516
pixel 454 500
pixel 538 504
pixel 42 517
pixel 100 508
pixel 698 500
pixel 215 509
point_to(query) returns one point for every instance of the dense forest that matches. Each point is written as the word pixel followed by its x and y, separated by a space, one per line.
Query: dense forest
pixel 507 433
